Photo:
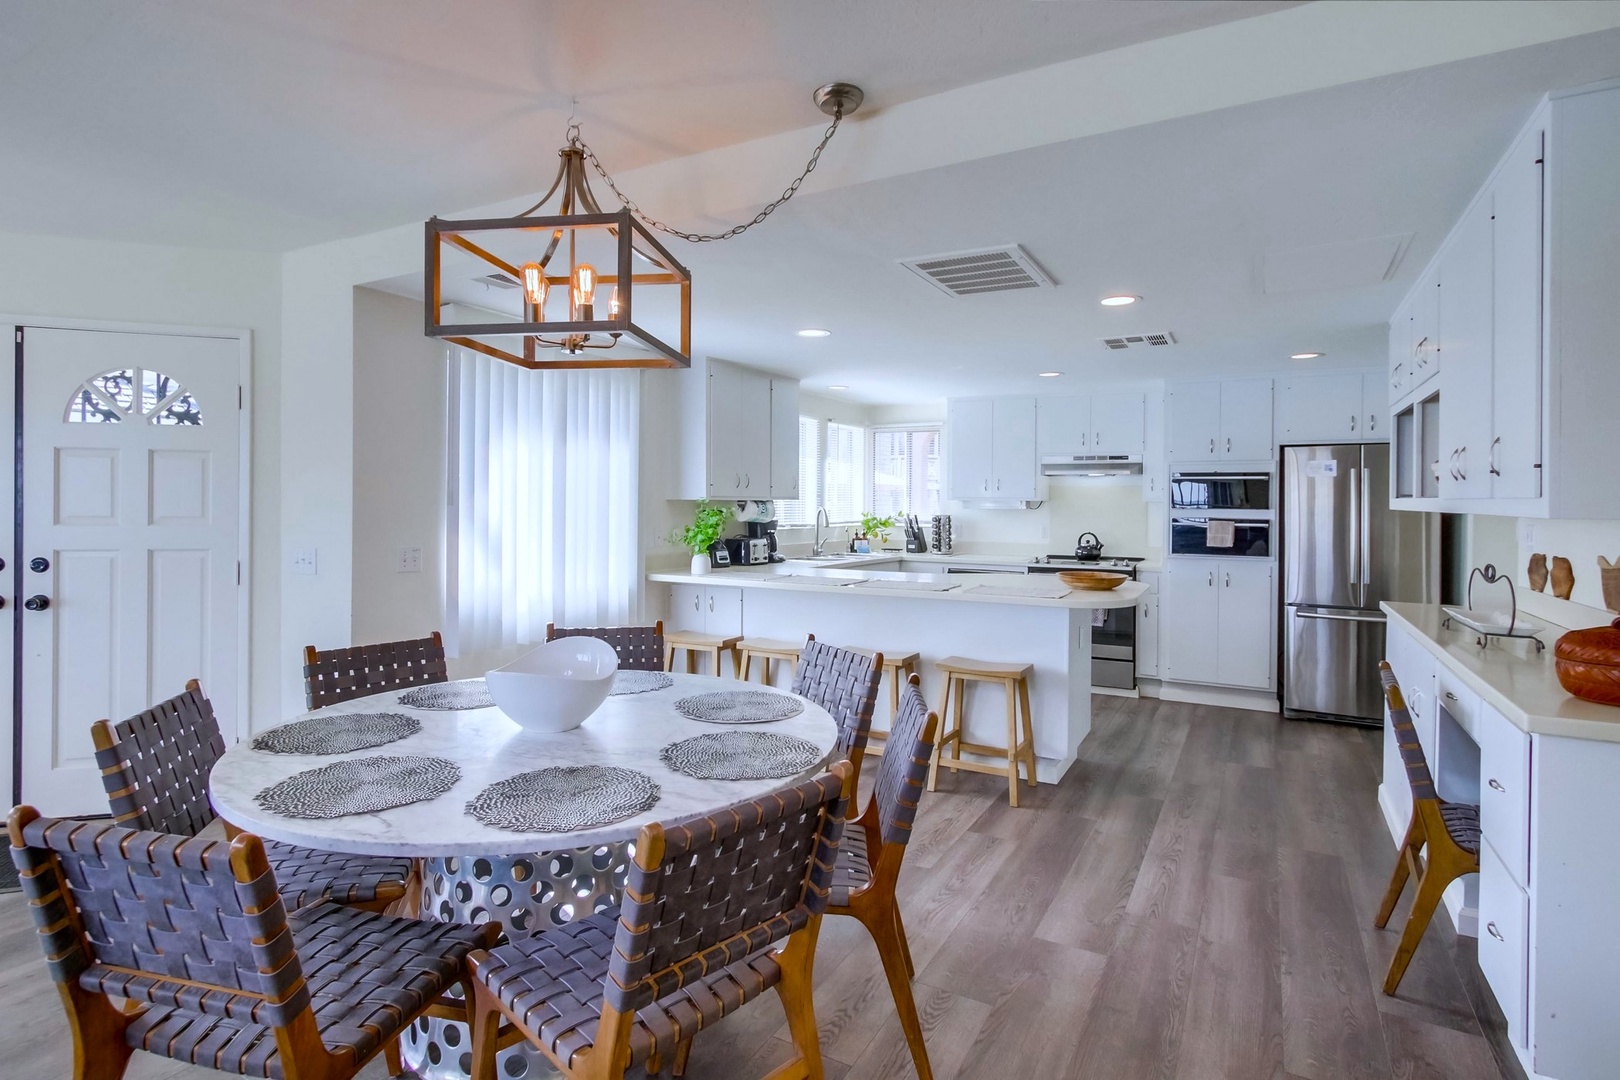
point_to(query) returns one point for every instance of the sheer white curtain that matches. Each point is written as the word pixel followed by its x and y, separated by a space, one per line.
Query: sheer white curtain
pixel 543 490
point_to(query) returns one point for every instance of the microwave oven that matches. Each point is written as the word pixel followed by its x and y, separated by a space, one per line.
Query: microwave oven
pixel 1246 493
pixel 1230 537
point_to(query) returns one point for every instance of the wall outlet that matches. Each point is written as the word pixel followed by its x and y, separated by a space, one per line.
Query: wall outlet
pixel 1527 533
pixel 408 560
pixel 303 561
pixel 1044 531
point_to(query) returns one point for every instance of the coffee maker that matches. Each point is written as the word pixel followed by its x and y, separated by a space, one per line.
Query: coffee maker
pixel 766 530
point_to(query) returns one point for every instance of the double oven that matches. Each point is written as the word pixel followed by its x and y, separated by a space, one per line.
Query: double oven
pixel 1225 514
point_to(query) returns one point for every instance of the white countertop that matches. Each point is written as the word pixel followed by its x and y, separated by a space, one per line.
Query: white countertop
pixel 846 576
pixel 1511 677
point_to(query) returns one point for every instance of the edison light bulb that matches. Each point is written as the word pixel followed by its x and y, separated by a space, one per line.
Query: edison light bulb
pixel 534 284
pixel 613 304
pixel 584 289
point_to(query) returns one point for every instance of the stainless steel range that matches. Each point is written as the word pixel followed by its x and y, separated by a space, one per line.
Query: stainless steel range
pixel 1113 630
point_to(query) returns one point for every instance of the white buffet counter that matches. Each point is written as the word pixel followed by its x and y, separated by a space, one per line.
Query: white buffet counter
pixel 1544 768
pixel 988 617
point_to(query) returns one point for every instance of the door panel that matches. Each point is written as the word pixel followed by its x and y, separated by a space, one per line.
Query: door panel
pixel 1193 420
pixel 1465 348
pixel 1244 630
pixel 967 441
pixel 1012 449
pixel 1332 659
pixel 1246 420
pixel 1118 423
pixel 1515 452
pixel 131 497
pixel 1063 426
pixel 1189 606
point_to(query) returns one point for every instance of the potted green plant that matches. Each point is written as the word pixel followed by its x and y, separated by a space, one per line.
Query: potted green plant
pixel 708 522
pixel 876 528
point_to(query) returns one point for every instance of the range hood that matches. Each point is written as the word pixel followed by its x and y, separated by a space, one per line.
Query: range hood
pixel 1092 465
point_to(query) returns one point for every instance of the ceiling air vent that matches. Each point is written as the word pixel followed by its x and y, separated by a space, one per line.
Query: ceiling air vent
pixel 988 270
pixel 1139 341
pixel 500 281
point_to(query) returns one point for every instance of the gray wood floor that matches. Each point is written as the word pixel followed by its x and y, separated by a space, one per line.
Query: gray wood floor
pixel 1193 902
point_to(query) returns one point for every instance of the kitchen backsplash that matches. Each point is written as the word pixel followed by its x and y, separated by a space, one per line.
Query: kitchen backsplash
pixel 1111 507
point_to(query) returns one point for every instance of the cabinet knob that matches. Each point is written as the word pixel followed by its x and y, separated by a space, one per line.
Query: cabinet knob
pixel 1496 785
pixel 39 564
pixel 37 602
pixel 1490 928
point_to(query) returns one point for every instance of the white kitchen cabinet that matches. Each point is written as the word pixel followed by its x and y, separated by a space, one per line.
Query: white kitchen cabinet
pixel 1063 425
pixel 1216 622
pixel 1465 342
pixel 1147 628
pixel 1338 407
pixel 1375 398
pixel 1504 952
pixel 1155 473
pixel 706 609
pixel 1426 299
pixel 1400 350
pixel 1095 424
pixel 1227 420
pixel 1514 456
pixel 990 449
pixel 784 438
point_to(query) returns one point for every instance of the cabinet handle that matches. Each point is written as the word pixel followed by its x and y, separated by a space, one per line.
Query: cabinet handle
pixel 1212 446
pixel 1450 696
pixel 1492 459
pixel 1490 928
pixel 748 479
pixel 1229 444
pixel 1212 579
pixel 1352 421
pixel 1497 785
pixel 1462 463
pixel 1228 581
pixel 1372 421
pixel 998 485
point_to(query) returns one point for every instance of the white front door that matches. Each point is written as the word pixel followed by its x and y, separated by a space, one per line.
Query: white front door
pixel 129 547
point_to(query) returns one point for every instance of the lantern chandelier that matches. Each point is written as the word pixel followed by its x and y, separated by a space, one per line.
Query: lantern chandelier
pixel 553 259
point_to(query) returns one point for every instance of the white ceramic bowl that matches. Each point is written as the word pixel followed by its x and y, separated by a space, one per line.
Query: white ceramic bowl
pixel 558 685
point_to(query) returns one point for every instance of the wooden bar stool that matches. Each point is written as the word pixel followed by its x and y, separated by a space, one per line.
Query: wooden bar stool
pixel 695 643
pixel 1014 679
pixel 898 667
pixel 764 650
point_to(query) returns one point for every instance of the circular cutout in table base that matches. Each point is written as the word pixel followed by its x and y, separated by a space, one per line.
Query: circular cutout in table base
pixel 360 786
pixel 741 755
pixel 739 707
pixel 565 798
pixel 340 734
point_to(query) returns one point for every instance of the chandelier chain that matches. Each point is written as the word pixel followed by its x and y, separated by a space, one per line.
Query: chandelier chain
pixel 704 238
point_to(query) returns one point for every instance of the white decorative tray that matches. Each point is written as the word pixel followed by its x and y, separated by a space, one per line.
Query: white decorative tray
pixel 1494 623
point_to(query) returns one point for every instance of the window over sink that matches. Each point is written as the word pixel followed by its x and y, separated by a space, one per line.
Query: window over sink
pixel 905 471
pixel 832 460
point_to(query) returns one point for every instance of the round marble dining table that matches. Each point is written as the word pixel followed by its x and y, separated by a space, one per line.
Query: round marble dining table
pixel 472 872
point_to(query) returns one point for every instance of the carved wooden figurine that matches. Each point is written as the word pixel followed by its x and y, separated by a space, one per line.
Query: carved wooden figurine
pixel 1537 572
pixel 1610 573
pixel 1563 577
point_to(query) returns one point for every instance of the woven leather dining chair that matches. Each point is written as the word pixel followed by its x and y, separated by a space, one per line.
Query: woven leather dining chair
pixel 1449 830
pixel 869 856
pixel 845 683
pixel 182 947
pixel 705 900
pixel 344 674
pixel 640 648
pixel 155 768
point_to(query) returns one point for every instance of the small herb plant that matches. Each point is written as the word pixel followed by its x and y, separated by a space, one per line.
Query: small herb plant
pixel 876 528
pixel 708 522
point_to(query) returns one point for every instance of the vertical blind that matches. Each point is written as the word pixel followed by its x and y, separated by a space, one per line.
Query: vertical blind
pixel 843 484
pixel 802 511
pixel 905 471
pixel 543 495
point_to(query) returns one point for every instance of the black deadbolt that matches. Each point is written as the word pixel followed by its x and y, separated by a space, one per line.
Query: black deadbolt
pixel 37 603
pixel 39 564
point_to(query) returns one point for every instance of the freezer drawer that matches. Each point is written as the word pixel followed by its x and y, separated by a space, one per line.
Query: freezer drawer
pixel 1331 657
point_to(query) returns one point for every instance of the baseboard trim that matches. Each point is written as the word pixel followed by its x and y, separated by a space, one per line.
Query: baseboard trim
pixel 1223 696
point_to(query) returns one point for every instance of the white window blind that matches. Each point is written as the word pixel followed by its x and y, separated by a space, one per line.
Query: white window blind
pixel 843 475
pixel 802 511
pixel 905 471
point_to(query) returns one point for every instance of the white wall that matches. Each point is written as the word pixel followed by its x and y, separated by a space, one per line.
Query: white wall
pixel 399 458
pixel 1581 542
pixel 142 283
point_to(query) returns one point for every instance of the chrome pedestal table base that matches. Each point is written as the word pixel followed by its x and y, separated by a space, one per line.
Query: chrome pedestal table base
pixel 525 893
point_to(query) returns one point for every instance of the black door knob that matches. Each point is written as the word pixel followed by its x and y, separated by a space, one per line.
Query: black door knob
pixel 37 603
pixel 2 564
pixel 39 564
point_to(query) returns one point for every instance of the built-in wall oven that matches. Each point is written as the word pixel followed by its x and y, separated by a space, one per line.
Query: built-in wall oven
pixel 1226 537
pixel 1223 514
pixel 1218 491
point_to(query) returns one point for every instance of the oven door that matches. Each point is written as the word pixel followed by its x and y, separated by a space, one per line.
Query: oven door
pixel 1113 647
pixel 1220 491
pixel 1226 537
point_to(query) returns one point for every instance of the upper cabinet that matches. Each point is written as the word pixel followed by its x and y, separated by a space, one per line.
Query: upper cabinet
pixel 1227 420
pixel 1503 403
pixel 1348 406
pixel 1099 424
pixel 990 449
pixel 743 439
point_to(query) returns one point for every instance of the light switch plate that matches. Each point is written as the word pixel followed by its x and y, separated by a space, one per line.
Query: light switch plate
pixel 408 560
pixel 304 560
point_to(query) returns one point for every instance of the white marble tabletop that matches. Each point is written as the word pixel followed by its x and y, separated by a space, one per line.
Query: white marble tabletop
pixel 628 730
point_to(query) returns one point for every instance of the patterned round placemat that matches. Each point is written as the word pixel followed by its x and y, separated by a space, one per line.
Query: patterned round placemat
pixel 640 682
pixel 741 755
pixel 320 735
pixel 360 786
pixel 739 707
pixel 461 694
pixel 564 798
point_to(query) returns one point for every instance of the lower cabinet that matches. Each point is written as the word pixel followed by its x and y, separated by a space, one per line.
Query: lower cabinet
pixel 708 609
pixel 1147 628
pixel 1504 950
pixel 1217 617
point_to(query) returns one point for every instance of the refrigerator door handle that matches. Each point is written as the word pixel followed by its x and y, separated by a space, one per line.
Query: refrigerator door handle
pixel 1355 533
pixel 1337 616
pixel 1366 532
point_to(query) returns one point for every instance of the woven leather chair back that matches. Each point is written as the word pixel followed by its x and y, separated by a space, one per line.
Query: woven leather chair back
pixel 159 919
pixel 1417 766
pixel 844 683
pixel 155 765
pixel 723 887
pixel 903 768
pixel 640 648
pixel 344 674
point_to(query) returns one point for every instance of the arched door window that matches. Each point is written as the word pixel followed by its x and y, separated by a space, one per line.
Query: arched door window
pixel 140 394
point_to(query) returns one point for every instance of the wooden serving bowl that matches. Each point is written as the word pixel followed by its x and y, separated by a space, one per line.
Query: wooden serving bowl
pixel 1095 580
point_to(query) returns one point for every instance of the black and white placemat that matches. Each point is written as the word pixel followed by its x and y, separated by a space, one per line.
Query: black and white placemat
pixel 360 786
pixel 564 798
pixel 640 682
pixel 320 735
pixel 739 707
pixel 461 694
pixel 741 755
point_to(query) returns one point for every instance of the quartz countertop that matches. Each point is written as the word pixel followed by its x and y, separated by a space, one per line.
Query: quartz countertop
pixel 848 577
pixel 1510 676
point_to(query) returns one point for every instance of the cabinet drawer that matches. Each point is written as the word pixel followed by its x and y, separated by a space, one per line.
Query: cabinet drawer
pixel 1504 790
pixel 1504 953
pixel 1462 703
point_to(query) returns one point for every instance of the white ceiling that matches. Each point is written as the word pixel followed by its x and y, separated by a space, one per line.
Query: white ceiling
pixel 244 124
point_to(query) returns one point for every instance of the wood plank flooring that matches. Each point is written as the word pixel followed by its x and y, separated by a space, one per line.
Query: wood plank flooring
pixel 1193 902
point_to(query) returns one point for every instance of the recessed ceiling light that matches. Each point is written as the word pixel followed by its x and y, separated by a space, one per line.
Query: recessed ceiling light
pixel 838 387
pixel 1118 301
pixel 814 331
pixel 1307 356
pixel 1049 374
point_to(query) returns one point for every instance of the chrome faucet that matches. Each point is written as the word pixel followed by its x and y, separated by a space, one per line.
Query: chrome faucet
pixel 822 521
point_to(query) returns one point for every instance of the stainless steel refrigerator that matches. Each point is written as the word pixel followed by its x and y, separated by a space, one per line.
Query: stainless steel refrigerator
pixel 1343 550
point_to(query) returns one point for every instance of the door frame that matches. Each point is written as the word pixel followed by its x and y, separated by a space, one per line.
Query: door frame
pixel 10 643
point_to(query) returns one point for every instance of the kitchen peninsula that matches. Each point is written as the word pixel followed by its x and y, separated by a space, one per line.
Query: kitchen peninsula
pixel 865 603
